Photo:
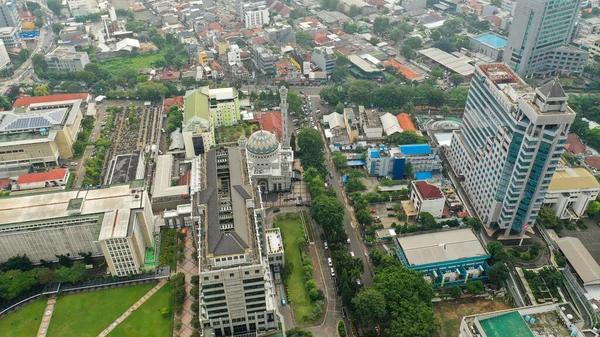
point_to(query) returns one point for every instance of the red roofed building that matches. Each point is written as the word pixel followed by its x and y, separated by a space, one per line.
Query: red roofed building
pixel 52 178
pixel 404 70
pixel 427 198
pixel 574 144
pixel 169 75
pixel 27 101
pixel 593 162
pixel 271 121
pixel 405 122
pixel 173 101
pixel 5 184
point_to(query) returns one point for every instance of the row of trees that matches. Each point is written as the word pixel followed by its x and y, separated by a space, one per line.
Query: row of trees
pixel 18 275
pixel 393 96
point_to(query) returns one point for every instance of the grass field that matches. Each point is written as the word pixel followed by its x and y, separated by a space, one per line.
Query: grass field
pixel 147 320
pixel 87 314
pixel 116 65
pixel 297 293
pixel 25 322
pixel 451 313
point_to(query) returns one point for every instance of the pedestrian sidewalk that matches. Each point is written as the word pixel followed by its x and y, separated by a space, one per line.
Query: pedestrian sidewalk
pixel 43 330
pixel 189 267
pixel 129 311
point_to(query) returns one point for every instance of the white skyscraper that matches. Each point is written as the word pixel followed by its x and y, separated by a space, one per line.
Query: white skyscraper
pixel 509 145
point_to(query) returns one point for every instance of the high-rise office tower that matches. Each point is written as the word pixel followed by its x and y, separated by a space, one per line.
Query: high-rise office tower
pixel 236 291
pixel 509 145
pixel 539 37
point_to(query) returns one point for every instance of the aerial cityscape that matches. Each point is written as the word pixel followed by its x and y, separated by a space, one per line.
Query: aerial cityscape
pixel 300 168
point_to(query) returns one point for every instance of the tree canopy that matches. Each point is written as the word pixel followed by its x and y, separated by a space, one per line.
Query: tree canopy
pixel 311 149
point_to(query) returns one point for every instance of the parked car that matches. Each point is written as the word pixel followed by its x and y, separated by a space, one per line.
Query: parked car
pixel 277 210
pixel 373 211
pixel 329 262
pixel 326 246
pixel 352 254
pixel 332 272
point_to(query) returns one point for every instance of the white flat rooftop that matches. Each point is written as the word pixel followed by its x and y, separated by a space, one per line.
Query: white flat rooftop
pixel 39 207
pixel 441 247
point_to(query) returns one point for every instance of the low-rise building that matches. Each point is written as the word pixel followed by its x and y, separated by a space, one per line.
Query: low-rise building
pixel 38 134
pixel 65 58
pixel 421 157
pixel 555 319
pixel 82 7
pixel 234 54
pixel 370 123
pixel 570 191
pixel 52 178
pixel 114 222
pixel 264 61
pixel 337 132
pixel 445 258
pixel 274 249
pixel 427 198
pixel 280 33
pixel 489 45
pixel 324 58
pixel 390 124
pixel 379 161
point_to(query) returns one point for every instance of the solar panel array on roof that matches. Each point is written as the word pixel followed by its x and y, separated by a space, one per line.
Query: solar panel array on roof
pixel 29 123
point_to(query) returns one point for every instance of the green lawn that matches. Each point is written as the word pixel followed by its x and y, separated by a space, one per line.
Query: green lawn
pixel 114 66
pixel 297 293
pixel 87 314
pixel 147 321
pixel 25 322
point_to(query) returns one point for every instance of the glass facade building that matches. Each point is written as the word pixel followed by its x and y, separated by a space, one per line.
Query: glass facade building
pixel 509 145
pixel 539 38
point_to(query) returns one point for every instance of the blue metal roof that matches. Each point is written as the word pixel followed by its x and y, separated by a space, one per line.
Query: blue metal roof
pixel 414 149
pixel 356 163
pixel 423 175
pixel 373 153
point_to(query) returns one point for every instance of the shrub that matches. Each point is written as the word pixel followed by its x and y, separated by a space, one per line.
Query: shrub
pixel 165 312
pixel 195 307
pixel 475 287
pixel 455 292
pixel 341 329
pixel 196 322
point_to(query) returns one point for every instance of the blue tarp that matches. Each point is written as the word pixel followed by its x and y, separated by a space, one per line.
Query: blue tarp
pixel 356 163
pixel 344 179
pixel 423 175
pixel 373 153
pixel 415 149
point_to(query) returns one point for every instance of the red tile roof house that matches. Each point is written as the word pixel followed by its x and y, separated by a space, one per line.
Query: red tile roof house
pixel 52 178
pixel 574 144
pixel 173 101
pixel 427 198
pixel 271 121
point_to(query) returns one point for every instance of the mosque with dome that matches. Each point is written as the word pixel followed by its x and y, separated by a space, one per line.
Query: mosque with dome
pixel 270 163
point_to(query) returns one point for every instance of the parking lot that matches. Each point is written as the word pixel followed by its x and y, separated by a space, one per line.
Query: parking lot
pixel 383 210
pixel 589 237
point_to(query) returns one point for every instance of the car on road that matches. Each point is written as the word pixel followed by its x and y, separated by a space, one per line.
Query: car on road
pixel 352 254
pixel 325 244
pixel 332 272
pixel 283 302
pixel 277 210
pixel 348 241
pixel 329 262
pixel 73 163
pixel 373 211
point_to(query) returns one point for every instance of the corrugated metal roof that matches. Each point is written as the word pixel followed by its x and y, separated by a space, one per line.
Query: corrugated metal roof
pixel 415 149
pixel 586 267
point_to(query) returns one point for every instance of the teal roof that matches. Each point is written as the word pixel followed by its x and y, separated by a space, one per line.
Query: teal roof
pixel 262 142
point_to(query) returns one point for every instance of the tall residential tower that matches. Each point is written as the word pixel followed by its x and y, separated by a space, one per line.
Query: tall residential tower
pixel 539 37
pixel 509 145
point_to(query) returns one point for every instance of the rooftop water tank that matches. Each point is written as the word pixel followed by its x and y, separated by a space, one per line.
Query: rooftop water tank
pixel 532 321
pixel 569 316
pixel 527 318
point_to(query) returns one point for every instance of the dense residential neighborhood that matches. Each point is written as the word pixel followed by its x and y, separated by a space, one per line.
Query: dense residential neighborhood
pixel 298 168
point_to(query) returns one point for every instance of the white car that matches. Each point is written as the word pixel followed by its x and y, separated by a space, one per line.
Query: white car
pixel 352 254
pixel 326 246
pixel 329 262
pixel 332 272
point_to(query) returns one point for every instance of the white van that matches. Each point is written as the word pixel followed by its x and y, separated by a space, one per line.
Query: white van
pixel 329 262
